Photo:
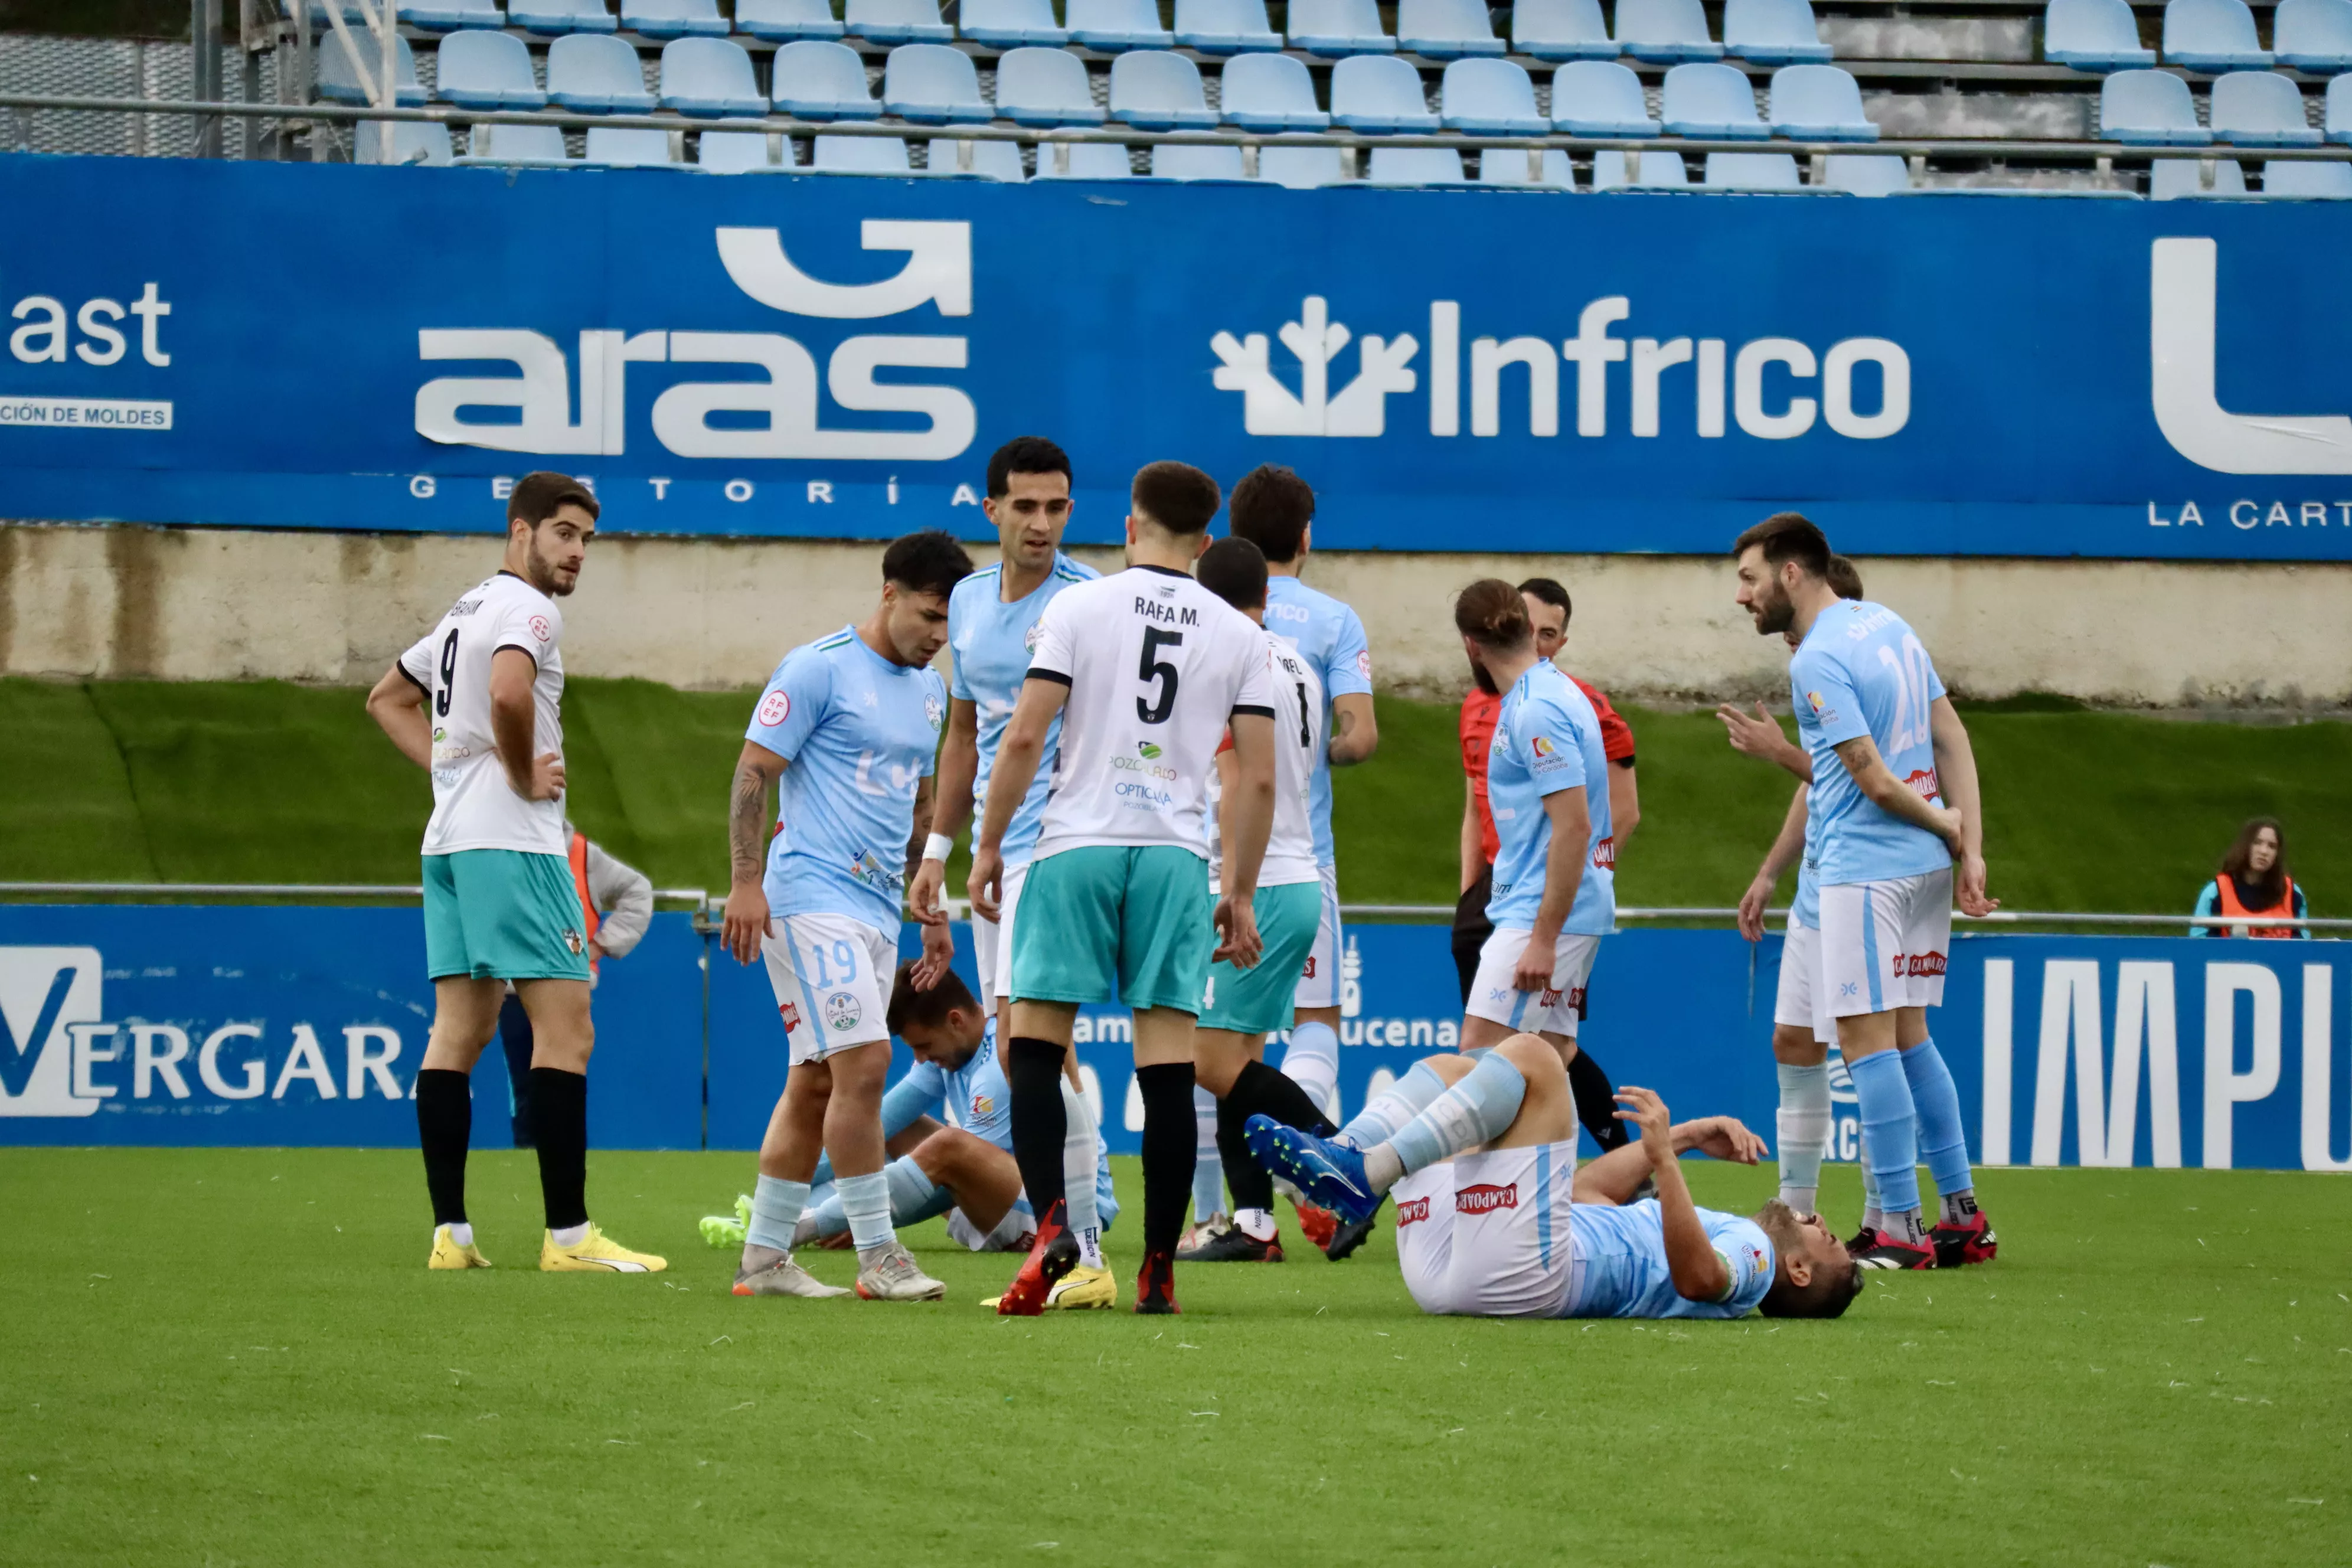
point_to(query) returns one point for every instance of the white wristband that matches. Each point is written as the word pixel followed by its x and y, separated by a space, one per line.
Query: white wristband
pixel 937 845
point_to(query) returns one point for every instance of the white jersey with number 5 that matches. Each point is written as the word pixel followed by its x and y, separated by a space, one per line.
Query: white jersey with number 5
pixel 1155 665
pixel 474 807
pixel 1298 742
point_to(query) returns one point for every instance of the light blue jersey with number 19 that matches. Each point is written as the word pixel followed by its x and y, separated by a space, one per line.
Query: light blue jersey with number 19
pixel 1862 671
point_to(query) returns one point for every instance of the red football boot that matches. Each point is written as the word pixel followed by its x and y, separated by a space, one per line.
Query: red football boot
pixel 1155 1284
pixel 1052 1255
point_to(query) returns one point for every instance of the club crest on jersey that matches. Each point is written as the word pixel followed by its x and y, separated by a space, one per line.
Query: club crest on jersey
pixel 1486 1198
pixel 932 711
pixel 791 1016
pixel 775 708
pixel 1411 1212
pixel 572 939
pixel 842 1011
pixel 1029 639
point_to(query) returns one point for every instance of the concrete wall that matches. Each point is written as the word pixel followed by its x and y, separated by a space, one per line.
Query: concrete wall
pixel 213 603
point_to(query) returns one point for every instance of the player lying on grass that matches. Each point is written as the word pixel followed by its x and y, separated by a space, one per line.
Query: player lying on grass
pixel 1495 1220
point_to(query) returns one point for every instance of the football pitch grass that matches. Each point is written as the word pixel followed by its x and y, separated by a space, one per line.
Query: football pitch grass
pixel 220 1356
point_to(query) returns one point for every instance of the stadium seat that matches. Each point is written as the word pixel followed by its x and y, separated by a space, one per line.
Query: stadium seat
pixel 339 79
pixel 1600 98
pixel 1224 27
pixel 1658 171
pixel 1089 161
pixel 781 21
pixel 1009 24
pixel 1156 91
pixel 2260 109
pixel 932 84
pixel 2170 178
pixel 2313 35
pixel 674 18
pixel 1867 173
pixel 708 78
pixel 2332 182
pixel 597 75
pixel 1565 30
pixel 449 15
pixel 1508 167
pixel 1339 28
pixel 860 155
pixel 897 22
pixel 1260 92
pixel 1714 101
pixel 1115 25
pixel 1446 29
pixel 1665 30
pixel 1489 97
pixel 820 80
pixel 485 71
pixel 413 142
pixel 2094 36
pixel 2149 109
pixel 1173 162
pixel 1376 93
pixel 1819 103
pixel 740 152
pixel 1773 32
pixel 516 144
pixel 1415 166
pixel 1753 171
pixel 561 17
pixel 1302 168
pixel 618 148
pixel 2212 36
pixel 1046 87
pixel 990 160
pixel 2339 110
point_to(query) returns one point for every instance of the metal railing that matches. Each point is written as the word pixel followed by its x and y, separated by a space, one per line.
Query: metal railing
pixel 696 897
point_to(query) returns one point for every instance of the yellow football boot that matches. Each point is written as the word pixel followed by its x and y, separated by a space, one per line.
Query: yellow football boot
pixel 447 1254
pixel 1082 1289
pixel 596 1253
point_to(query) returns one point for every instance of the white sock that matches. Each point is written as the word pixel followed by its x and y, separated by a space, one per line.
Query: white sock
pixel 1906 1225
pixel 1311 1061
pixel 1255 1224
pixel 1803 1124
pixel 570 1236
pixel 462 1234
pixel 1872 1215
pixel 1079 1152
pixel 866 1201
pixel 1383 1167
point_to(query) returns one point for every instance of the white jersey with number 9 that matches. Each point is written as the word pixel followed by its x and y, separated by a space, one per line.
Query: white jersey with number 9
pixel 474 807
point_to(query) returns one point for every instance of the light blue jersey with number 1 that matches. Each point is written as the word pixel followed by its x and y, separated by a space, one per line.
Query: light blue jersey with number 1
pixel 1862 671
pixel 991 641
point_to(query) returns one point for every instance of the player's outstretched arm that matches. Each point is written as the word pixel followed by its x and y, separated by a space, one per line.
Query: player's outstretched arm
pixel 514 719
pixel 1696 1268
pixel 396 703
pixel 1473 849
pixel 959 765
pixel 1354 729
pixel 1786 847
pixel 748 816
pixel 1956 772
pixel 1892 796
pixel 1018 754
pixel 1614 1179
pixel 1758 734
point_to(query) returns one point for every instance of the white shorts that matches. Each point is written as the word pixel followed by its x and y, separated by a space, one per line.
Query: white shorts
pixel 831 977
pixel 1486 1235
pixel 1319 982
pixel 1014 1233
pixel 1884 944
pixel 1797 1003
pixel 992 940
pixel 1554 1011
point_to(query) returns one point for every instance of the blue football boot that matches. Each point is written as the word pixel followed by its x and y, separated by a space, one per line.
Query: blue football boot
pixel 1332 1174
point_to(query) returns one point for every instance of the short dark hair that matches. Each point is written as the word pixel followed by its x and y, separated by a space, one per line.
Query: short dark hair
pixel 930 562
pixel 1234 569
pixel 536 497
pixel 1845 581
pixel 1025 454
pixel 1827 1294
pixel 1179 497
pixel 929 1008
pixel 1271 508
pixel 1491 613
pixel 1548 590
pixel 1788 536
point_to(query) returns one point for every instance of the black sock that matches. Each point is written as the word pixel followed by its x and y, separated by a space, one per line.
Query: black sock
pixel 1596 1102
pixel 1171 1141
pixel 1244 1177
pixel 1033 1070
pixel 444 1125
pixel 1259 1090
pixel 559 1108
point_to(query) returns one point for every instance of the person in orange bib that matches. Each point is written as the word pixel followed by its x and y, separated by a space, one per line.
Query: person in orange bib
pixel 2253 882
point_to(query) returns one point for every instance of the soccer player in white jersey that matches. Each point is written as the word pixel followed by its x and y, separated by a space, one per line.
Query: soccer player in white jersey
pixel 1895 795
pixel 479 703
pixel 847 731
pixel 1495 1219
pixel 1147 669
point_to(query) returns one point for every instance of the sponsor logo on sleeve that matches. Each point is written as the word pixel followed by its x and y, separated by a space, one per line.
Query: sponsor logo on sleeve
pixel 775 708
pixel 1821 709
pixel 982 1107
pixel 541 629
pixel 1485 1197
pixel 1364 663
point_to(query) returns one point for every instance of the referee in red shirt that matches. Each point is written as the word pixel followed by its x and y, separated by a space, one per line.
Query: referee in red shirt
pixel 1548 608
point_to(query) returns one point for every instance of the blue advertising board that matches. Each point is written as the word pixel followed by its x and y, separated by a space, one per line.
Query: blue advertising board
pixel 290 345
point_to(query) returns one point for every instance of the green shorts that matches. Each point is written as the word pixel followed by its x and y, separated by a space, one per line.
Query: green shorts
pixel 1110 922
pixel 1257 1001
pixel 502 914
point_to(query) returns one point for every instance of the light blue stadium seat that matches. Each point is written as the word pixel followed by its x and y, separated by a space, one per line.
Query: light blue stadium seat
pixel 816 79
pixel 897 22
pixel 1819 103
pixel 1446 29
pixel 618 148
pixel 1753 171
pixel 1772 31
pixel 1339 28
pixel 1089 161
pixel 932 84
pixel 413 142
pixel 339 78
pixel 1415 166
pixel 485 71
pixel 1224 27
pixel 2313 35
pixel 739 152
pixel 1157 90
pixel 1659 170
pixel 2149 109
pixel 990 160
pixel 674 18
pixel 516 144
pixel 1116 25
pixel 1508 167
pixel 1263 92
pixel 1867 173
pixel 860 155
pixel 2169 179
pixel 781 21
pixel 1302 168
pixel 562 16
pixel 1711 100
pixel 596 75
pixel 2093 35
pixel 2339 110
pixel 2260 109
pixel 1173 162
pixel 709 79
pixel 2331 182
pixel 449 15
pixel 1600 98
pixel 2212 36
pixel 1045 87
pixel 1378 93
pixel 1009 24
pixel 1665 30
pixel 1564 31
pixel 1489 97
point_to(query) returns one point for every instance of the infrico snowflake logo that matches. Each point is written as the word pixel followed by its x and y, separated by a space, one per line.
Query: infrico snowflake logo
pixel 1270 409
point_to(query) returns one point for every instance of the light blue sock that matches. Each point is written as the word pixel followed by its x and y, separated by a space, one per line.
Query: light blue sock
pixel 1478 1110
pixel 914 1197
pixel 1389 1110
pixel 1943 1141
pixel 1311 1061
pixel 776 1205
pixel 867 1201
pixel 1889 1122
pixel 1208 1169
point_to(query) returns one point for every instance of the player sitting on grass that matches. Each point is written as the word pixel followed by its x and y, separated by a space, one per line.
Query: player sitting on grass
pixel 1494 1219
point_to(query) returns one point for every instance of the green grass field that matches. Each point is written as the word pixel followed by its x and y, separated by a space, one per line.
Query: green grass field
pixel 237 1357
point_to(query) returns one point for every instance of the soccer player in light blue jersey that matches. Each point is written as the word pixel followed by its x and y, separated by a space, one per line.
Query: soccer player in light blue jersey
pixel 847 731
pixel 1895 797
